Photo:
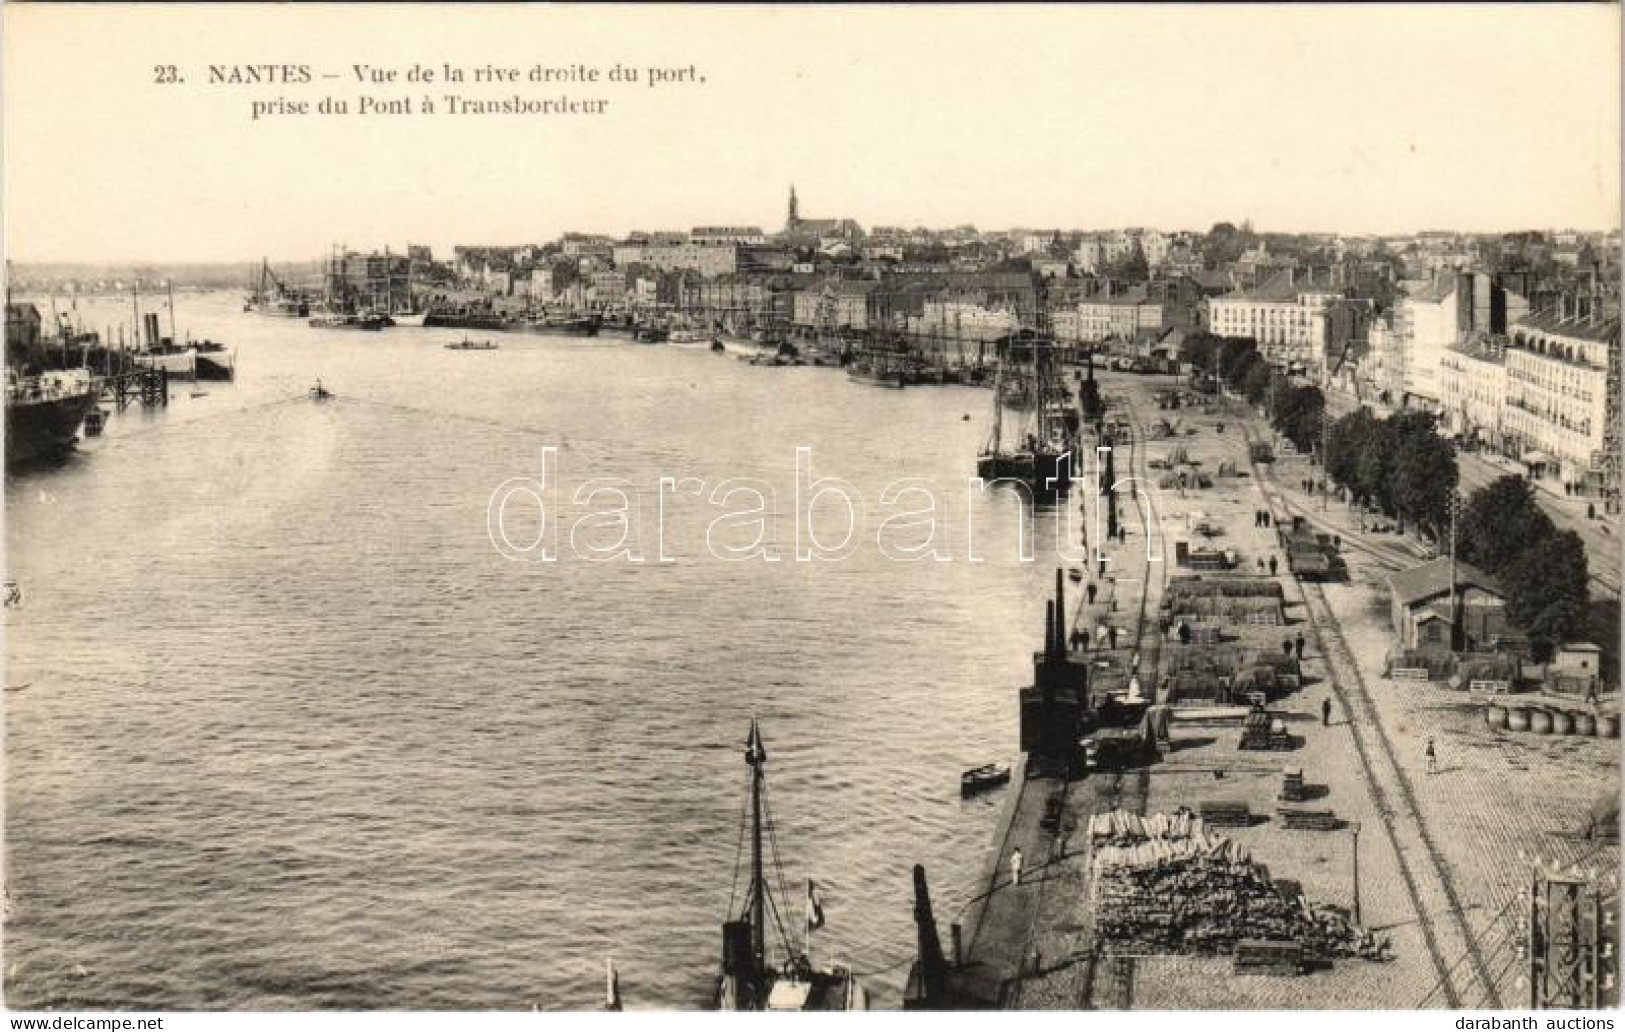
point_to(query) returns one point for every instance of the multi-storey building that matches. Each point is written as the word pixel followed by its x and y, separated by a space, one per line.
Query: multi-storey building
pixel 705 259
pixel 1439 314
pixel 1473 389
pixel 1294 322
pixel 963 319
pixel 714 236
pixel 1563 395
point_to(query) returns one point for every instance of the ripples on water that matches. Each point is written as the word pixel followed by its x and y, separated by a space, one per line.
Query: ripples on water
pixel 296 736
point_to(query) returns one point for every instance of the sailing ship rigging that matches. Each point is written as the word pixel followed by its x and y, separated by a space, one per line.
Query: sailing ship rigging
pixel 749 981
pixel 1039 452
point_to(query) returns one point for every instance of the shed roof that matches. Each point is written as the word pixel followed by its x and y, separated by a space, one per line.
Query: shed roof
pixel 1420 583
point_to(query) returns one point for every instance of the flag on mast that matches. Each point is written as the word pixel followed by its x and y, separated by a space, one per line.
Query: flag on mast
pixel 815 908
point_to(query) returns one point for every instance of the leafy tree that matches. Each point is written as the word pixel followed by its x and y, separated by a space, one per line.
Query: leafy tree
pixel 1374 468
pixel 1131 267
pixel 1425 478
pixel 1546 589
pixel 1256 382
pixel 1501 521
pixel 1298 413
pixel 1350 438
pixel 1200 350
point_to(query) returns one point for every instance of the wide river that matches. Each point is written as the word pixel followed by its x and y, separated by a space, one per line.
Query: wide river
pixel 285 729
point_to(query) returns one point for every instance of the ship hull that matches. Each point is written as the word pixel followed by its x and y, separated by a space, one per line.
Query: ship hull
pixel 180 365
pixel 450 321
pixel 216 366
pixel 896 379
pixel 45 431
pixel 1045 474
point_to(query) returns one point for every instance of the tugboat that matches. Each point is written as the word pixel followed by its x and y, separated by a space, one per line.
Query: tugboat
pixel 471 345
pixel 748 982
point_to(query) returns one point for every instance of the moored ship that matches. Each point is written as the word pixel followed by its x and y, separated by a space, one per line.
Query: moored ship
pixel 1041 457
pixel 347 321
pixel 271 296
pixel 752 979
pixel 44 414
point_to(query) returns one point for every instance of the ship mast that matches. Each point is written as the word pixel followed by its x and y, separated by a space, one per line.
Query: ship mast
pixel 998 408
pixel 756 756
pixel 174 333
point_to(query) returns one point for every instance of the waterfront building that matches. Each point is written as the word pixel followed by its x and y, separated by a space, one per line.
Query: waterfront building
pixel 374 280
pixel 705 259
pixel 964 317
pixel 1120 316
pixel 1562 405
pixel 1473 388
pixel 608 286
pixel 1439 314
pixel 1294 320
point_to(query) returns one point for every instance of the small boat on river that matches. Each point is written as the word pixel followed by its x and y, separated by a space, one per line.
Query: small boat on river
pixel 980 779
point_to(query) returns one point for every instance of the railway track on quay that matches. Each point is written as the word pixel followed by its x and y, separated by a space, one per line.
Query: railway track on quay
pixel 1116 990
pixel 1391 789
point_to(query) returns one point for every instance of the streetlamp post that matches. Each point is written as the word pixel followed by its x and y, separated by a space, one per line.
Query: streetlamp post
pixel 1354 827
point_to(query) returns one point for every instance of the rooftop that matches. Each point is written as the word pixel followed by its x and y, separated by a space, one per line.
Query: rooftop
pixel 1603 329
pixel 1423 582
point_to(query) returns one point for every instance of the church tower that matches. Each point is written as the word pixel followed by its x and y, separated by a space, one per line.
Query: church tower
pixel 795 212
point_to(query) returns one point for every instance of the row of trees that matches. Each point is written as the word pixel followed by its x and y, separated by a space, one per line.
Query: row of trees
pixel 1403 467
pixel 1504 532
pixel 1399 464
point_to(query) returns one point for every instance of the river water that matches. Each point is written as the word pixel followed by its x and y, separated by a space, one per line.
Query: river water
pixel 284 729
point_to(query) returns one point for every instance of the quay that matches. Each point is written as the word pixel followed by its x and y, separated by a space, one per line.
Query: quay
pixel 1341 809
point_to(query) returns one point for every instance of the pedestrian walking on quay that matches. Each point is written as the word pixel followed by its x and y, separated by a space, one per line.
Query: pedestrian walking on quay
pixel 1325 713
pixel 1272 566
pixel 1090 591
pixel 1433 758
pixel 1267 517
pixel 1286 646
pixel 1015 866
pixel 1299 645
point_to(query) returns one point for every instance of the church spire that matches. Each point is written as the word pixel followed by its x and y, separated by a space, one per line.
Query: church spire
pixel 795 211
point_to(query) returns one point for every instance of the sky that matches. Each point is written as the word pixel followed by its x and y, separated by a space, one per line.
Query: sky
pixel 1358 119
